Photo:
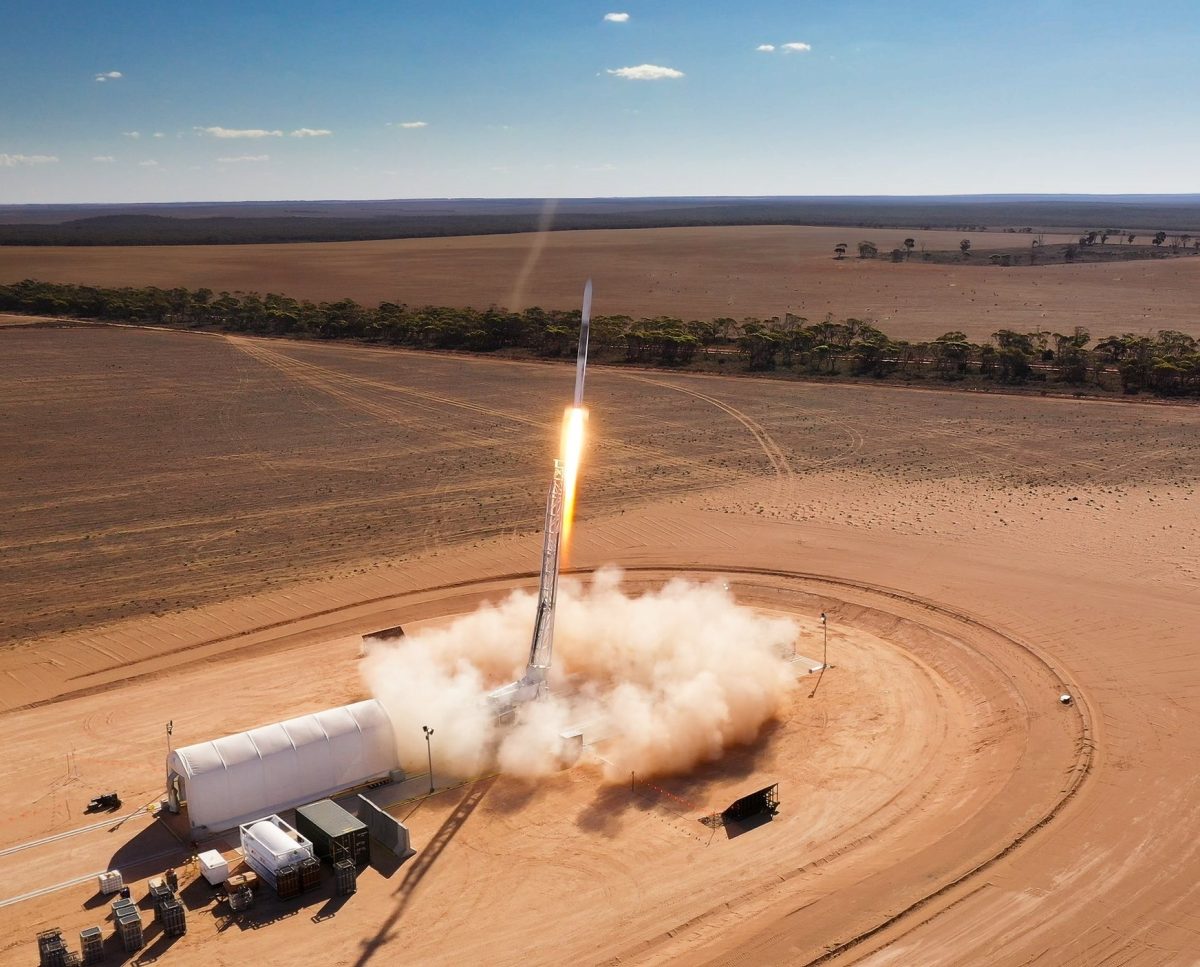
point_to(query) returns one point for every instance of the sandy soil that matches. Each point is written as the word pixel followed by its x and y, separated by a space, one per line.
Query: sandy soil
pixel 977 554
pixel 691 273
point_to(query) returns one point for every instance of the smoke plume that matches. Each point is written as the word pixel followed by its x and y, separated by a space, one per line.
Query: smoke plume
pixel 658 681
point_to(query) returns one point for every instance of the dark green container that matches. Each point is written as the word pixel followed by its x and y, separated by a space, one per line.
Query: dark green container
pixel 333 830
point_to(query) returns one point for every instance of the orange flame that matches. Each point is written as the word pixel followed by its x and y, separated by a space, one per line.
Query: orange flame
pixel 574 423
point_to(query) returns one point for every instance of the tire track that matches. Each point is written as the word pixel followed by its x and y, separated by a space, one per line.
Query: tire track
pixel 774 453
pixel 340 385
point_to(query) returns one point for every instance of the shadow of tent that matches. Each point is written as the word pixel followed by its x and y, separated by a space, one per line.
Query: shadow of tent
pixel 150 851
pixel 198 894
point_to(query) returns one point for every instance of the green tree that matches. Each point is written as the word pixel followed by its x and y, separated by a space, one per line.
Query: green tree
pixel 965 247
pixel 867 250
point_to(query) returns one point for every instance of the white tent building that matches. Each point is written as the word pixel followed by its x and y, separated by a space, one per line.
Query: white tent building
pixel 237 778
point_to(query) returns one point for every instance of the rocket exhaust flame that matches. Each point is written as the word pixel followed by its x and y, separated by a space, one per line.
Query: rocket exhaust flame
pixel 574 423
pixel 573 432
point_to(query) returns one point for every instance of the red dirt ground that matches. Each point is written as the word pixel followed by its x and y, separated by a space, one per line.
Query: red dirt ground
pixel 191 517
pixel 686 272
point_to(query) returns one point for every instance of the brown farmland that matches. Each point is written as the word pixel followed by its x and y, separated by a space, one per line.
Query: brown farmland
pixel 685 272
pixel 189 516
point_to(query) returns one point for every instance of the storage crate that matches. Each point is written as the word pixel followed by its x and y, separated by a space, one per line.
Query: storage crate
pixel 346 875
pixel 110 882
pixel 287 881
pixel 129 927
pixel 91 945
pixel 52 949
pixel 242 899
pixel 173 917
pixel 310 874
pixel 249 880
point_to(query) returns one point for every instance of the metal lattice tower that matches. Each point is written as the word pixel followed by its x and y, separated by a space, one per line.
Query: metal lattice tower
pixel 542 646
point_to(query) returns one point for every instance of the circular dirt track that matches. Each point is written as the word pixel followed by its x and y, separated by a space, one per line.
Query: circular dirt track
pixel 933 745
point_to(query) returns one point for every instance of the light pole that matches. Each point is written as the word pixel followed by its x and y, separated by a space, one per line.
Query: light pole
pixel 825 629
pixel 429 749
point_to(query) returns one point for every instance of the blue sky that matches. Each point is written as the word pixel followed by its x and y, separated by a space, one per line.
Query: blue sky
pixel 309 99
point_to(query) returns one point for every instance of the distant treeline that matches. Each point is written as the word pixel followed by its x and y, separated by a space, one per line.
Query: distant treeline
pixel 1167 364
pixel 331 221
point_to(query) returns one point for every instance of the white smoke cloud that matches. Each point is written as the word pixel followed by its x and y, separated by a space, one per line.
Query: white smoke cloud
pixel 661 681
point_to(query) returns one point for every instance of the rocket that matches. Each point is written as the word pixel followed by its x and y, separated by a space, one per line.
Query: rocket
pixel 581 358
pixel 533 684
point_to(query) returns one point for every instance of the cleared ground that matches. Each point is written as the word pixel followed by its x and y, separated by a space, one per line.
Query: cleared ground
pixel 977 554
pixel 700 273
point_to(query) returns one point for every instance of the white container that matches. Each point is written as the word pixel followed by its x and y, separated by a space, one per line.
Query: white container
pixel 213 867
pixel 110 882
pixel 269 844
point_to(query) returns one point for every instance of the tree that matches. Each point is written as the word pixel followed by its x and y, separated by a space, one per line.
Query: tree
pixel 1070 358
pixel 839 250
pixel 909 245
pixel 1132 238
pixel 760 345
pixel 867 250
pixel 1159 238
pixel 965 247
pixel 1012 366
pixel 951 352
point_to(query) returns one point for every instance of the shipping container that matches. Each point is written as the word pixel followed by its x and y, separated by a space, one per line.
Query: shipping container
pixel 333 830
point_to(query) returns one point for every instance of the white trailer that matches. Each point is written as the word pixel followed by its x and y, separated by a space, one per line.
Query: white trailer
pixel 269 844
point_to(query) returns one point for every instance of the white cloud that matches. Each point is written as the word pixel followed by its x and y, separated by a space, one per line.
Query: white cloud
pixel 765 48
pixel 797 47
pixel 148 164
pixel 132 134
pixel 219 132
pixel 244 157
pixel 409 124
pixel 311 133
pixel 159 134
pixel 108 76
pixel 646 72
pixel 616 18
pixel 104 158
pixel 12 160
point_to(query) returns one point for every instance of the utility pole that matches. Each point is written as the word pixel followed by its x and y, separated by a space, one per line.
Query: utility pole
pixel 825 629
pixel 429 748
